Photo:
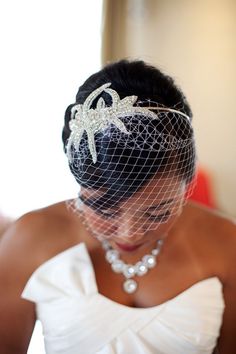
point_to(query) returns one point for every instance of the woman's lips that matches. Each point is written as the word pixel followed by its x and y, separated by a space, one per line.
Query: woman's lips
pixel 128 248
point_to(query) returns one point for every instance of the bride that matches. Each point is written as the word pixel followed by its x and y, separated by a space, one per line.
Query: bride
pixel 129 265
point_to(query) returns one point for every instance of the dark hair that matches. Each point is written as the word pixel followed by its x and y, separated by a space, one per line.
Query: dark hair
pixel 148 83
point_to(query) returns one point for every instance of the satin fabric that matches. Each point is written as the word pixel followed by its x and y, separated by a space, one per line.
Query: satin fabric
pixel 77 319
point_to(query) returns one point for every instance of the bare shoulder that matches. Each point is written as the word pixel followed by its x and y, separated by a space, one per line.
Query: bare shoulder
pixel 211 227
pixel 39 235
pixel 30 241
pixel 212 237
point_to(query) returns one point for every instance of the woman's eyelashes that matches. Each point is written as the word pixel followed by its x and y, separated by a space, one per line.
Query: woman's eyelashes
pixel 155 218
pixel 106 214
pixel 160 218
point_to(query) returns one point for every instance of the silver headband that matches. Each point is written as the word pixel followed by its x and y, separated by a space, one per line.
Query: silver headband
pixel 89 120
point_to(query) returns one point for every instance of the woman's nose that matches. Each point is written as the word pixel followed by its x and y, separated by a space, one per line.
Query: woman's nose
pixel 129 228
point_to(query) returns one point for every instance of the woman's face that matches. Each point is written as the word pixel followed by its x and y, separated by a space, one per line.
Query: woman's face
pixel 142 219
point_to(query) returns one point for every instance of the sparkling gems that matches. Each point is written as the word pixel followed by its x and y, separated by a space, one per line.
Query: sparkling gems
pixel 112 255
pixel 155 252
pixel 94 120
pixel 141 268
pixel 129 271
pixel 149 260
pixel 130 286
pixel 118 266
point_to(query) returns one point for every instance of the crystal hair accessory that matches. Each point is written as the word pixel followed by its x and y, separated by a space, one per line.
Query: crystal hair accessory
pixel 131 270
pixel 89 120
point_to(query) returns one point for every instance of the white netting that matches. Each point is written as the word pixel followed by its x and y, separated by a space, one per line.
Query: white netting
pixel 134 171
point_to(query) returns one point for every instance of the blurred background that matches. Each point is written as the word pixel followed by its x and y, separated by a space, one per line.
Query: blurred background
pixel 49 47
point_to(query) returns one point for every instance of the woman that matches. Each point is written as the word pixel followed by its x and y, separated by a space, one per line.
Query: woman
pixel 127 267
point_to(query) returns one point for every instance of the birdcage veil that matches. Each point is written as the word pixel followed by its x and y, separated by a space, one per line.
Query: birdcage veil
pixel 117 151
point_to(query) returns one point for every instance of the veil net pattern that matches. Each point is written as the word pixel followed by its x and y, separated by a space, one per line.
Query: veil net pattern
pixel 121 184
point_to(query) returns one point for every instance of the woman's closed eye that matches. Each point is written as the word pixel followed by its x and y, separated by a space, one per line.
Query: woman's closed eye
pixel 160 217
pixel 107 214
pixel 156 218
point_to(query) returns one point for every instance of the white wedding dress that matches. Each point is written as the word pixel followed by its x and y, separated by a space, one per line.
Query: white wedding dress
pixel 76 319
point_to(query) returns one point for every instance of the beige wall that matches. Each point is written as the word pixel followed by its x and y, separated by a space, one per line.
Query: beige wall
pixel 194 41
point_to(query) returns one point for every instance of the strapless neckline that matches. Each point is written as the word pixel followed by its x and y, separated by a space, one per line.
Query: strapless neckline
pixel 82 247
pixel 77 318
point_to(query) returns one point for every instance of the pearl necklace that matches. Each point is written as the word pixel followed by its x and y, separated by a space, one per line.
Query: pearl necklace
pixel 130 270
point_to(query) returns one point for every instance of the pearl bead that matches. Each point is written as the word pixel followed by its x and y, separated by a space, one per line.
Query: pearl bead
pixel 130 286
pixel 112 255
pixel 129 271
pixel 141 268
pixel 118 266
pixel 149 260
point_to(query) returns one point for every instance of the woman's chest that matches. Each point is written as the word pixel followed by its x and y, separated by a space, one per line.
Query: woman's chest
pixel 174 272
